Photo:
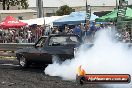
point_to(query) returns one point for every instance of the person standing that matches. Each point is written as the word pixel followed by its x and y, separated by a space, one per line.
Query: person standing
pixel 88 32
pixel 77 30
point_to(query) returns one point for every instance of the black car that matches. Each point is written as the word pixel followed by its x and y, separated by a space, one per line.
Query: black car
pixel 43 51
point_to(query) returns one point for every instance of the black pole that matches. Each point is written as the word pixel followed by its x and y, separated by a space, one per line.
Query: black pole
pixel 86 11
pixel 43 19
pixel 116 4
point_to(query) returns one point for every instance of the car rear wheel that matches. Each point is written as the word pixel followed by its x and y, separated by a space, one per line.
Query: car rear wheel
pixel 23 62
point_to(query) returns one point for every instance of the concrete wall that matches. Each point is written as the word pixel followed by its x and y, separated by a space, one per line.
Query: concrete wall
pixel 25 16
pixel 95 8
pixel 50 11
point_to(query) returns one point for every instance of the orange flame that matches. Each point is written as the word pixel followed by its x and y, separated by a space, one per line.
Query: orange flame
pixel 81 71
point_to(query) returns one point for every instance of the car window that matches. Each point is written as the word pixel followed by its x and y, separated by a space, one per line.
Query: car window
pixel 62 40
pixel 41 42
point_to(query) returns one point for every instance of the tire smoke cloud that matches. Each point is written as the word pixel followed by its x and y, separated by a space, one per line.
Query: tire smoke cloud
pixel 106 56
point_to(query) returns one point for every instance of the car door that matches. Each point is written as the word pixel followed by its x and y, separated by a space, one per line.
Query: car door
pixel 42 54
pixel 37 51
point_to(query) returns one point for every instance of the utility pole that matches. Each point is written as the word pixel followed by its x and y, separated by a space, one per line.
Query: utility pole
pixel 121 12
pixel 39 8
pixel 88 13
pixel 116 4
pixel 40 12
pixel 44 26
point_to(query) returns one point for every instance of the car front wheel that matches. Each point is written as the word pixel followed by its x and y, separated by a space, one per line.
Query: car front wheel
pixel 23 62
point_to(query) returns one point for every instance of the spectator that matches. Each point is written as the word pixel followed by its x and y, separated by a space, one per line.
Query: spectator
pixel 126 36
pixel 77 30
pixel 47 30
pixel 55 30
pixel 38 32
pixel 87 33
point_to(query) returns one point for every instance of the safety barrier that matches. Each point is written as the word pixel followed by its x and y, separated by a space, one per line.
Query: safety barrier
pixel 8 49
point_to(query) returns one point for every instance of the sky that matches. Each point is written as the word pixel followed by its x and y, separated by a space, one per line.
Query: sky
pixel 58 3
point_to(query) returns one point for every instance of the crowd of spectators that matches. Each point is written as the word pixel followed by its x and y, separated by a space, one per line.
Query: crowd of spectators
pixel 21 35
pixel 32 33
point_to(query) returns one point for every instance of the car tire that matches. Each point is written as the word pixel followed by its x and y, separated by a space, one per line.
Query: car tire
pixel 23 62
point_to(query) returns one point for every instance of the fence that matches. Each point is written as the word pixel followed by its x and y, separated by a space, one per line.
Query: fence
pixel 8 49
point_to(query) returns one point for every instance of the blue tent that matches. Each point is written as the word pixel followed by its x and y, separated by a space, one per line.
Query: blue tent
pixel 74 18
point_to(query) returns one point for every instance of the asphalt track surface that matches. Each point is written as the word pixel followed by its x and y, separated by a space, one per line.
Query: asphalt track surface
pixel 12 76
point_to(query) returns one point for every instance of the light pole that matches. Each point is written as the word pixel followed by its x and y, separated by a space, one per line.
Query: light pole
pixel 116 4
pixel 121 12
pixel 88 13
pixel 44 26
pixel 39 8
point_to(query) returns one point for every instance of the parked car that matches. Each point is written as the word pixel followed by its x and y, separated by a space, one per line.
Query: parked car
pixel 46 47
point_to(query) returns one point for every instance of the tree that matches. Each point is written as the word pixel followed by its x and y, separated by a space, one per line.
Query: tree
pixel 64 10
pixel 24 4
pixel 3 4
pixel 8 3
pixel 12 3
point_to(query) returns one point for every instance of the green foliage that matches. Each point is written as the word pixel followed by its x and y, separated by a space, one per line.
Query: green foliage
pixel 3 4
pixel 8 3
pixel 11 3
pixel 64 10
pixel 24 4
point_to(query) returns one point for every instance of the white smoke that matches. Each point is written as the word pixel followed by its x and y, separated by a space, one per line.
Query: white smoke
pixel 107 56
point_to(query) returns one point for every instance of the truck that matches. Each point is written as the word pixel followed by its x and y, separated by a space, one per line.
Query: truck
pixel 58 45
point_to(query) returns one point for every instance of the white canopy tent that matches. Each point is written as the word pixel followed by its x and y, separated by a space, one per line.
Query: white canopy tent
pixel 40 21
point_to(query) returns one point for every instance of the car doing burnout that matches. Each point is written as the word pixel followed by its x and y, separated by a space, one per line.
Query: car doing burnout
pixel 61 46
